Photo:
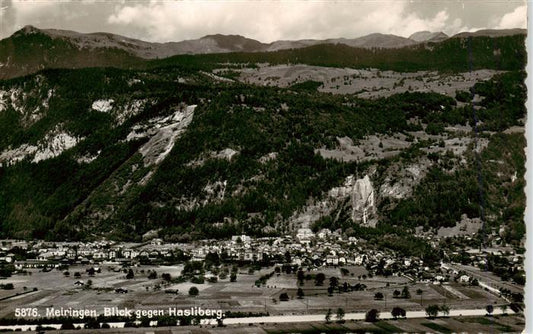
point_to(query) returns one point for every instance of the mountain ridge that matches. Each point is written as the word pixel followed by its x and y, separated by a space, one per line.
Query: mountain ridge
pixel 31 50
pixel 221 43
pixel 212 43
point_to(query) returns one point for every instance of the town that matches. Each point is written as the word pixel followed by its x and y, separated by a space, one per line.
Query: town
pixel 305 273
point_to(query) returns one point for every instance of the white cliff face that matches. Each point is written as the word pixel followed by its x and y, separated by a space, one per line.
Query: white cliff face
pixel 129 110
pixel 88 158
pixel 13 98
pixel 103 105
pixel 122 111
pixel 363 202
pixel 52 145
pixel 17 99
pixel 12 156
pixel 56 144
pixel 360 194
pixel 164 133
pixel 225 154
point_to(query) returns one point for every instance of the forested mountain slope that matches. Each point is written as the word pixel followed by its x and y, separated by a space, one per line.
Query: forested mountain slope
pixel 185 147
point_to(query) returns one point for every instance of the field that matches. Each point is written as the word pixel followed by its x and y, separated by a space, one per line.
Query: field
pixel 365 83
pixel 510 324
pixel 57 290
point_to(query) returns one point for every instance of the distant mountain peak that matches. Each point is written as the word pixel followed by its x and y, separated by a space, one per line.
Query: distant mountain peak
pixel 425 36
pixel 28 29
pixel 223 36
pixel 234 42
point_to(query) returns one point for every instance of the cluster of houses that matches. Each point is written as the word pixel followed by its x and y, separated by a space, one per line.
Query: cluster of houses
pixel 324 248
pixel 41 254
pixel 305 248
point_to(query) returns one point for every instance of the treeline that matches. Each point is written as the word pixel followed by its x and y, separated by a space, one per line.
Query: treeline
pixel 501 53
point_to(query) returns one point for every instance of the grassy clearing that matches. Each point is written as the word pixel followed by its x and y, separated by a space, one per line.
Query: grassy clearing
pixel 488 321
pixel 437 327
pixel 388 327
pixel 327 329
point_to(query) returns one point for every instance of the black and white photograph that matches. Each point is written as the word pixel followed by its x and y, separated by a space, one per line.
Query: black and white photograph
pixel 269 167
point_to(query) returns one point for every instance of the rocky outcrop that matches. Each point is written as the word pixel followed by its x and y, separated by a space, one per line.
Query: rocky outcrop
pixel 163 135
pixel 363 202
pixel 357 194
pixel 400 180
pixel 52 145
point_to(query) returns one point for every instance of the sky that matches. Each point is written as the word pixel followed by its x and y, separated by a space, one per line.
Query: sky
pixel 263 20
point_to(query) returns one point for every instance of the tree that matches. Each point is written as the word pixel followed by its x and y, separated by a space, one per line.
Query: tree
pixel 319 279
pixel 333 281
pixel 130 274
pixel 420 292
pixel 504 308
pixel 300 293
pixel 445 309
pixel 233 277
pixel 283 297
pixel 516 308
pixel 301 276
pixel 517 297
pixel 372 315
pixel 66 273
pixel 345 286
pixel 212 259
pixel 489 309
pixel 432 311
pixel 405 293
pixel 166 277
pixel 340 314
pixel 378 296
pixel 6 270
pixel 193 291
pixel 398 312
pixel 328 315
pixel 396 293
pixel 152 275
pixel 288 258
